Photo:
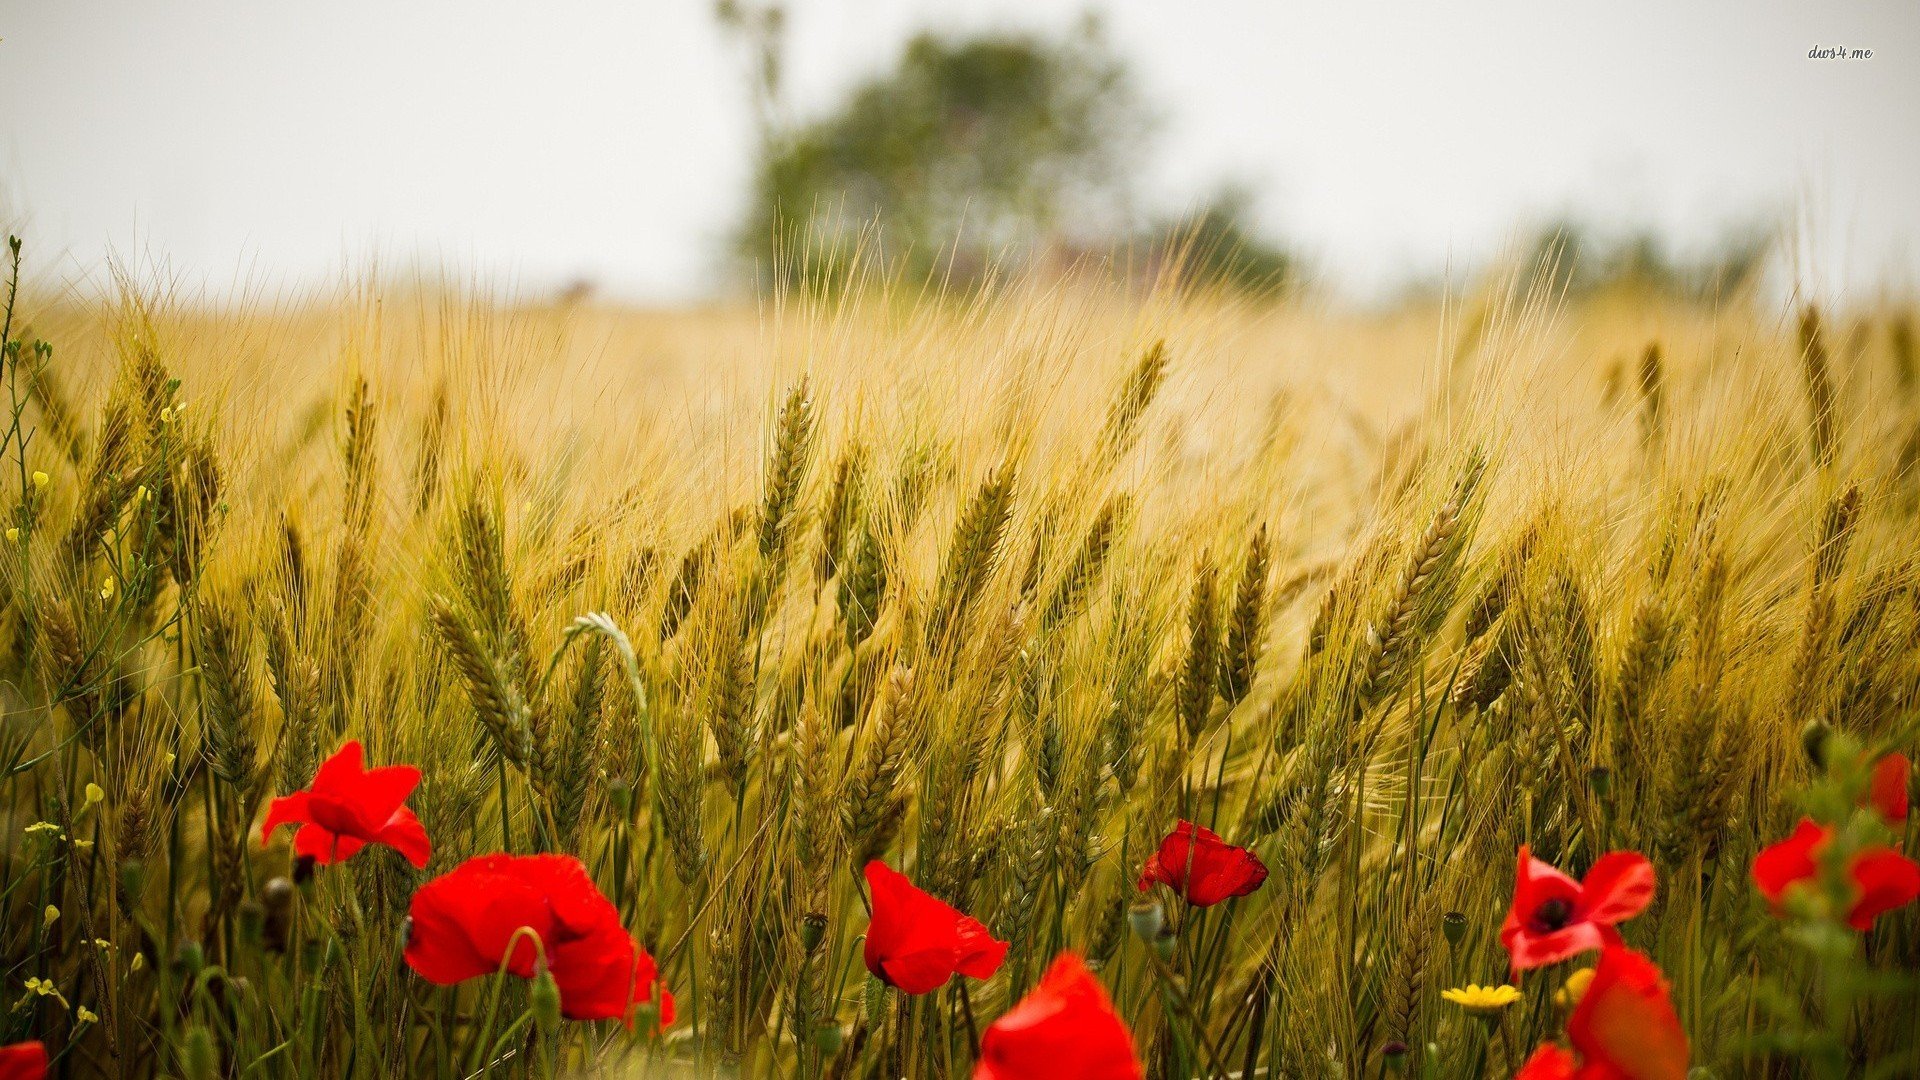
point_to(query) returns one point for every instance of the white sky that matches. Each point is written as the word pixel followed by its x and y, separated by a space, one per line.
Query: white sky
pixel 271 143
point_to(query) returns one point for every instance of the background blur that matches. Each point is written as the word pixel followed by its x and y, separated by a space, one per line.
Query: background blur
pixel 636 148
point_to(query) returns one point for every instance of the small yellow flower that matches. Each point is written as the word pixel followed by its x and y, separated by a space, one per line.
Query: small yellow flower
pixel 83 845
pixel 166 415
pixel 95 793
pixel 45 988
pixel 50 916
pixel 1482 1000
pixel 43 827
pixel 41 480
pixel 106 587
pixel 139 494
pixel 13 534
pixel 1573 989
pixel 139 961
pixel 103 943
pixel 84 1015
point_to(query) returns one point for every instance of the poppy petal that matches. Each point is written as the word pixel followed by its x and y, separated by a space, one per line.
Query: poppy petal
pixel 1550 1062
pixel 23 1061
pixel 1886 880
pixel 1619 886
pixel 1625 1024
pixel 324 846
pixel 978 953
pixel 404 833
pixel 343 770
pixel 285 810
pixel 1064 1028
pixel 1887 790
pixel 1788 862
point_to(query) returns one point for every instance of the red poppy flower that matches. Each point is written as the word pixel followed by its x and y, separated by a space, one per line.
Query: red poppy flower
pixel 23 1061
pixel 1065 1029
pixel 1554 917
pixel 463 923
pixel 350 806
pixel 1887 790
pixel 917 942
pixel 1624 1028
pixel 1883 879
pixel 1201 868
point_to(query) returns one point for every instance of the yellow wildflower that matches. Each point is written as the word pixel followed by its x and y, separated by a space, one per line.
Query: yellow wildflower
pixel 1482 1000
pixel 139 961
pixel 45 988
pixel 13 534
pixel 95 793
pixel 51 915
pixel 1573 989
pixel 84 1015
pixel 106 587
pixel 41 480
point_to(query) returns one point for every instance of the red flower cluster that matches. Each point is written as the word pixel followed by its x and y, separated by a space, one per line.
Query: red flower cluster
pixel 491 913
pixel 350 806
pixel 1201 868
pixel 1624 1028
pixel 469 923
pixel 1554 917
pixel 1065 1029
pixel 23 1061
pixel 1882 878
pixel 917 942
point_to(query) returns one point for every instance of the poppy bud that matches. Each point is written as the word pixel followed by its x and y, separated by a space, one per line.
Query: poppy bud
pixel 133 877
pixel 277 895
pixel 813 930
pixel 1813 739
pixel 253 923
pixel 1600 778
pixel 544 1000
pixel 190 958
pixel 827 1039
pixel 1454 925
pixel 1396 1054
pixel 1147 918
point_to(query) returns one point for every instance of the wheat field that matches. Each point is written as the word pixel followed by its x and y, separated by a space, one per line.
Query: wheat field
pixel 728 602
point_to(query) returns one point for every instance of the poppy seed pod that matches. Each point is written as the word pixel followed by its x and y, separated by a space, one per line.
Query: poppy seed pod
pixel 277 898
pixel 190 958
pixel 827 1038
pixel 1147 917
pixel 813 930
pixel 1453 925
pixel 133 877
pixel 1813 739
pixel 253 923
pixel 1600 779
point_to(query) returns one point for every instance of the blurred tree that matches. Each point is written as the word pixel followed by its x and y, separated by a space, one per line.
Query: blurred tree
pixel 969 153
pixel 1218 245
pixel 1572 257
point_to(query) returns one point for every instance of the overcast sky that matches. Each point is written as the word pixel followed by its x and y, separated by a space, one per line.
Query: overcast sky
pixel 269 143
